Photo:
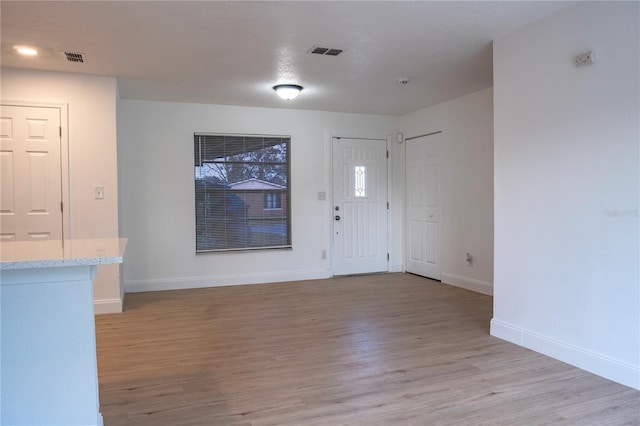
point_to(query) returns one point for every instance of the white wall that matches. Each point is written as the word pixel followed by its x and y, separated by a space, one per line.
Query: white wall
pixel 155 151
pixel 92 156
pixel 466 183
pixel 566 189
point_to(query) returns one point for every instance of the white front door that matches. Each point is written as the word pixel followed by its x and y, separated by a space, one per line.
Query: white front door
pixel 359 206
pixel 423 207
pixel 31 173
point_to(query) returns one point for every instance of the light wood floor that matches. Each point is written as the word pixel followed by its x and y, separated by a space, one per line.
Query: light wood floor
pixel 390 349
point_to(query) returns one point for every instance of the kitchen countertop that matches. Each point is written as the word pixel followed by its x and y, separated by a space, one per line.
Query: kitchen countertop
pixel 54 253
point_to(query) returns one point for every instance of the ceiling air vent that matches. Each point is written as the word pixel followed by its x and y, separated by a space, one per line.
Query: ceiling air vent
pixel 325 51
pixel 75 57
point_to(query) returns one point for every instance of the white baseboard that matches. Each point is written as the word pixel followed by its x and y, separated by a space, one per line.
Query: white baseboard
pixel 506 332
pixel 396 268
pixel 607 367
pixel 136 286
pixel 107 306
pixel 468 283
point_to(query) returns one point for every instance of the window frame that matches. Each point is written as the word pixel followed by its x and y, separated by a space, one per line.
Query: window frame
pixel 285 193
pixel 277 200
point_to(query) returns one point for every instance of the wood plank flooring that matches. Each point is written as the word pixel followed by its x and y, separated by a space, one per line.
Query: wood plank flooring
pixel 391 349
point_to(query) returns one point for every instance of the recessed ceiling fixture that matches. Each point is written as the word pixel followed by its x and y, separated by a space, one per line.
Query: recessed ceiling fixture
pixel 287 91
pixel 26 50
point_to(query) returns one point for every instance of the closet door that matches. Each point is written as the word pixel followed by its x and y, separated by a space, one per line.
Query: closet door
pixel 423 209
pixel 31 173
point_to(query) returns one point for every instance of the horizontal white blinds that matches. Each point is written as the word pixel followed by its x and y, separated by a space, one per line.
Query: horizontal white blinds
pixel 242 192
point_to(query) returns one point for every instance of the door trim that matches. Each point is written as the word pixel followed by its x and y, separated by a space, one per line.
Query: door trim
pixel 328 182
pixel 64 155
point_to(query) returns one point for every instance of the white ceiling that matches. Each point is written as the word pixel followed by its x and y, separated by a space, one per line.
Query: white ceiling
pixel 233 52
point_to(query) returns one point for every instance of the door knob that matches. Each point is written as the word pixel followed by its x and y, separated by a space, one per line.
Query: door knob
pixel 337 217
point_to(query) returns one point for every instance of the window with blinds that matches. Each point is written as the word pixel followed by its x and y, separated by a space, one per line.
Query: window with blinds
pixel 242 192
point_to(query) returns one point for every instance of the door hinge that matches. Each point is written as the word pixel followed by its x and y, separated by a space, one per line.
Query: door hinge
pixel 60 129
pixel 61 207
pixel 387 153
pixel 387 257
pixel 387 205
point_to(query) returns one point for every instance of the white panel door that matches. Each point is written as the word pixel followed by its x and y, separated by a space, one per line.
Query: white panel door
pixel 423 207
pixel 360 206
pixel 30 169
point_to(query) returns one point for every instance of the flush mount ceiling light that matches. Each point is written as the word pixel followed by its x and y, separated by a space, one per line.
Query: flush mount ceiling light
pixel 26 50
pixel 287 91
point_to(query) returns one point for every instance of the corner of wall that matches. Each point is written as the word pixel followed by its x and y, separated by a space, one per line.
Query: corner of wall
pixel 107 306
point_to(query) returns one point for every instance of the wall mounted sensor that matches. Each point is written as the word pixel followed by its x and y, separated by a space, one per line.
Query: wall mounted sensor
pixel 585 59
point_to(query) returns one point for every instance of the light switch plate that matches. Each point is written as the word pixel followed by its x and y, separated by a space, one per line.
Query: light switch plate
pixel 98 192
